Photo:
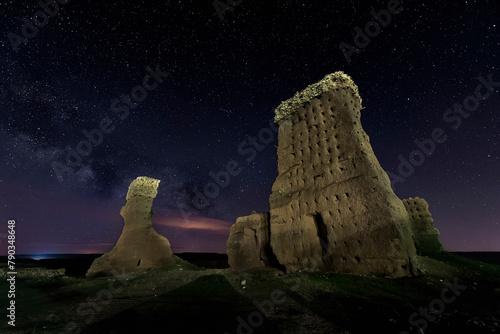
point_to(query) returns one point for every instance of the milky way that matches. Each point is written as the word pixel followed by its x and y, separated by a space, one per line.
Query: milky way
pixel 95 94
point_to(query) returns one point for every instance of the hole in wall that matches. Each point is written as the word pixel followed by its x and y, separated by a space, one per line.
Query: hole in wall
pixel 322 233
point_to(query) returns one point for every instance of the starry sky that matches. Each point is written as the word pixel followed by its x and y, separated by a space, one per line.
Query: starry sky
pixel 214 73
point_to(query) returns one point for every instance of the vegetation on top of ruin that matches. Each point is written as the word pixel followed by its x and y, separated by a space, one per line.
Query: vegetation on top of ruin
pixel 330 82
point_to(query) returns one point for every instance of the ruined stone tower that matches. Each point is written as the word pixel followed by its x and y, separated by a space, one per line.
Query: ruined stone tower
pixel 332 207
pixel 139 245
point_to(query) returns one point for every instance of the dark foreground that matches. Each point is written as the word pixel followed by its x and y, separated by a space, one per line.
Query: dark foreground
pixel 458 295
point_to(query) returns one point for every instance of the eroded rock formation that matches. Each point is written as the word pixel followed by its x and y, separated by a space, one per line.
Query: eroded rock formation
pixel 139 245
pixel 332 207
pixel 425 235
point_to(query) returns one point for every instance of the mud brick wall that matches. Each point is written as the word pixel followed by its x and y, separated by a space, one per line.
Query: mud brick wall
pixel 332 207
pixel 425 235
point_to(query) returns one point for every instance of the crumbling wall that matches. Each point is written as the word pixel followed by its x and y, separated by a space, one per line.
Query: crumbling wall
pixel 425 235
pixel 332 206
pixel 248 245
pixel 139 245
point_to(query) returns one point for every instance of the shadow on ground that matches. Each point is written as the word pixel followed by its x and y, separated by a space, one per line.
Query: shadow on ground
pixel 207 305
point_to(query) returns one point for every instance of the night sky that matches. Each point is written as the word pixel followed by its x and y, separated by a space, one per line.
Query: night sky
pixel 213 84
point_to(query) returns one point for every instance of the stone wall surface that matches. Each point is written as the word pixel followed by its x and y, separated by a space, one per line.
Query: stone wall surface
pixel 248 245
pixel 425 235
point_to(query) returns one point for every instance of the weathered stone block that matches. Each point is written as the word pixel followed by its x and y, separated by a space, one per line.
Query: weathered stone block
pixel 248 244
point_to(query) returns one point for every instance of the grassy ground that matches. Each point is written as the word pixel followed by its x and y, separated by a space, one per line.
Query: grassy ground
pixel 184 298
